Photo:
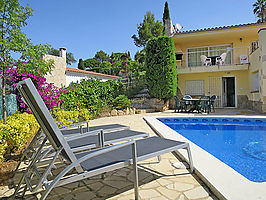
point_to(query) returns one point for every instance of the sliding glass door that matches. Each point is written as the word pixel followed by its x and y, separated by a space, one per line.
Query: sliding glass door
pixel 193 54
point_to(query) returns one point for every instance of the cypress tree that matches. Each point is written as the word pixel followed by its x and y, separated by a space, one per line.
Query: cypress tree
pixel 160 64
pixel 166 14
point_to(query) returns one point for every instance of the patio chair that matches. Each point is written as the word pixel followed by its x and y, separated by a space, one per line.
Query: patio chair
pixel 205 104
pixel 212 102
pixel 205 61
pixel 179 104
pixel 187 103
pixel 221 60
pixel 87 163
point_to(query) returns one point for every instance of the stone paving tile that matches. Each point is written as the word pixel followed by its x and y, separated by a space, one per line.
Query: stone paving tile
pixel 159 198
pixel 106 190
pixel 164 182
pixel 182 186
pixel 150 193
pixel 182 197
pixel 169 194
pixel 84 195
pixel 196 193
pixel 153 184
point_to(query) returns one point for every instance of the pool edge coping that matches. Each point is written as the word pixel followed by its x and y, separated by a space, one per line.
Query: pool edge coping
pixel 231 186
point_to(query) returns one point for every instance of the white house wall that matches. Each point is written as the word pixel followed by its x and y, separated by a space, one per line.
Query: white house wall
pixel 77 77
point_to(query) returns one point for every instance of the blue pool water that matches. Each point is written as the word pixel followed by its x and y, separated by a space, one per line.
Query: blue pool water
pixel 238 142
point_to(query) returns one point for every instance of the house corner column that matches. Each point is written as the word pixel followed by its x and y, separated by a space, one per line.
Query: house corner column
pixel 262 71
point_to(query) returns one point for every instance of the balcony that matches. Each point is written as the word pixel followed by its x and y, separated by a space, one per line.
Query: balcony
pixel 192 61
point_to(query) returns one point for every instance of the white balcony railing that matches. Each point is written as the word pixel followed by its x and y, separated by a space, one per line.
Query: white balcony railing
pixel 234 56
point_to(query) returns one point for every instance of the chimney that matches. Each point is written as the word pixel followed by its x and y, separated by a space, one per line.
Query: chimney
pixel 62 52
pixel 169 28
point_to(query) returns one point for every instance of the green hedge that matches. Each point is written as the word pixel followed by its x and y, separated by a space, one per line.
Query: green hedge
pixel 92 94
pixel 160 66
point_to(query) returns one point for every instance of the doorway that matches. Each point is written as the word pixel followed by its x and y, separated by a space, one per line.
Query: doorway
pixel 228 92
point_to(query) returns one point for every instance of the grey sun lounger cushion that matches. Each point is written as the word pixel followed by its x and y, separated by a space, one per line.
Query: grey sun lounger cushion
pixel 106 128
pixel 109 138
pixel 146 148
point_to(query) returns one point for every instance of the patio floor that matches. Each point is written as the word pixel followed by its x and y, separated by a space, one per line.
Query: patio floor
pixel 157 180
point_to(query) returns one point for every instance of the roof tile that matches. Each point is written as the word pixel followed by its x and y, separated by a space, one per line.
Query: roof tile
pixel 219 28
pixel 90 72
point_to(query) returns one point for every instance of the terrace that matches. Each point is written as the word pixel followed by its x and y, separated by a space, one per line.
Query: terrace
pixel 157 180
pixel 191 61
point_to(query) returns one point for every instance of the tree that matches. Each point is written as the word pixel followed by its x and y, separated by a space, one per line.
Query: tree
pixel 69 56
pixel 81 64
pixel 100 63
pixel 120 61
pixel 147 29
pixel 259 9
pixel 102 56
pixel 166 14
pixel 160 64
pixel 140 56
pixel 13 17
pixel 91 63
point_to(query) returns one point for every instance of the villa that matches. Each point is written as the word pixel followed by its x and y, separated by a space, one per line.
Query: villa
pixel 227 61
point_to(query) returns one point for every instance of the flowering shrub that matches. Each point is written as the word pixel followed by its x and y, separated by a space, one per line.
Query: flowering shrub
pixel 21 127
pixel 62 115
pixel 49 93
pixel 15 133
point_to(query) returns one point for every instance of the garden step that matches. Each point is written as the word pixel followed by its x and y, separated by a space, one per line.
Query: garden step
pixel 141 106
pixel 143 111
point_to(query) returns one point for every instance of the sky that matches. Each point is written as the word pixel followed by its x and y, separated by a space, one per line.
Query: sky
pixel 87 26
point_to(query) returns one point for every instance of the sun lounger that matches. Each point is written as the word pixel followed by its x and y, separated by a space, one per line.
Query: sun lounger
pixel 88 163
pixel 116 133
pixel 85 141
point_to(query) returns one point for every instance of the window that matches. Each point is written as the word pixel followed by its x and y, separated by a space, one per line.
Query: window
pixel 195 87
pixel 256 84
pixel 254 46
pixel 193 54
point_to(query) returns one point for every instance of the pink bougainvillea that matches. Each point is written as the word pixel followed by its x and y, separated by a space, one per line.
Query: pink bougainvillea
pixel 50 94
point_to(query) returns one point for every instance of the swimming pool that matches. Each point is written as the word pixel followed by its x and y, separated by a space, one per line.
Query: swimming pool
pixel 224 181
pixel 238 142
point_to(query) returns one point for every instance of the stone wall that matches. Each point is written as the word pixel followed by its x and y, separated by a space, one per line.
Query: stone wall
pixel 58 74
pixel 244 103
pixel 158 104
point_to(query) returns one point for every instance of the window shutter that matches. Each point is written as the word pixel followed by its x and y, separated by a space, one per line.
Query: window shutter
pixel 195 87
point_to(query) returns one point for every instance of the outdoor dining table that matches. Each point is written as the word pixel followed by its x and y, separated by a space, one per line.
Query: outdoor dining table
pixel 213 59
pixel 195 103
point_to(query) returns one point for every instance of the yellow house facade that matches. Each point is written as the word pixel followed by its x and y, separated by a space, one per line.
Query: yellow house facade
pixel 229 62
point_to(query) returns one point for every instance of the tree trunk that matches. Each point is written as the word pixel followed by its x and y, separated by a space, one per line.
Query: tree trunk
pixel 4 63
pixel 4 95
